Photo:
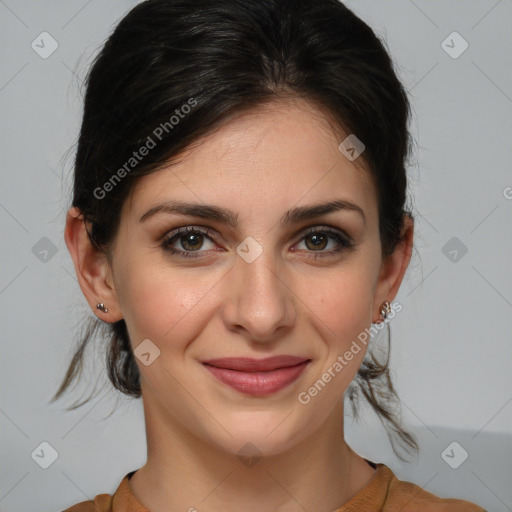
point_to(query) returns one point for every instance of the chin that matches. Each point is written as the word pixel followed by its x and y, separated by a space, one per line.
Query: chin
pixel 259 434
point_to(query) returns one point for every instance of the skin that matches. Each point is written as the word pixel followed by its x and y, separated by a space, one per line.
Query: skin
pixel 259 165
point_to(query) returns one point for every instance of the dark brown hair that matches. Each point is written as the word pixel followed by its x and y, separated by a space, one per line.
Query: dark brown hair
pixel 231 56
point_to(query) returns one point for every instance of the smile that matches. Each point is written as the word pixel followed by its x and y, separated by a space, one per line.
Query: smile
pixel 257 377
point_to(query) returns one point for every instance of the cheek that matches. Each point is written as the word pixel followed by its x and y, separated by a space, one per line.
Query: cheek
pixel 162 305
pixel 342 308
pixel 342 301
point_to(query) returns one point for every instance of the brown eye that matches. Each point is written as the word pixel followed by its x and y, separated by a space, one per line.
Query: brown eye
pixel 317 241
pixel 190 239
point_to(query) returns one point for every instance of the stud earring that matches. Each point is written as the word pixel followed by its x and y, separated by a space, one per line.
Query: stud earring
pixel 101 306
pixel 385 310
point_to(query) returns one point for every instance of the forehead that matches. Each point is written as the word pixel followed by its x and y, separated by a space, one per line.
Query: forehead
pixel 285 152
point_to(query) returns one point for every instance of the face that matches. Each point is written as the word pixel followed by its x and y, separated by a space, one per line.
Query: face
pixel 255 288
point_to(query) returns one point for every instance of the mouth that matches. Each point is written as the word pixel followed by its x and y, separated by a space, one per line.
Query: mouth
pixel 257 377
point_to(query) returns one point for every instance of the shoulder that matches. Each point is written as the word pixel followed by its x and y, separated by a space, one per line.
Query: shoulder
pixel 101 503
pixel 408 497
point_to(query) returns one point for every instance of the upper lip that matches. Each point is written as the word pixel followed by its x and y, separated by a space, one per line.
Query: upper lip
pixel 247 364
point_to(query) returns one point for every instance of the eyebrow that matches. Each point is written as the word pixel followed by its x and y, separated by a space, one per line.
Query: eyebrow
pixel 293 216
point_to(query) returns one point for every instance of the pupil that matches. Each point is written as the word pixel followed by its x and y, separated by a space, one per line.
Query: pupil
pixel 318 241
pixel 189 240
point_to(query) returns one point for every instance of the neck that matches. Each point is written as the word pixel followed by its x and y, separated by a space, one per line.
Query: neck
pixel 184 472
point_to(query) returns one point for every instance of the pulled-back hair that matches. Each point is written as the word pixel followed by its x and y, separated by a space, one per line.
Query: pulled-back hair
pixel 219 59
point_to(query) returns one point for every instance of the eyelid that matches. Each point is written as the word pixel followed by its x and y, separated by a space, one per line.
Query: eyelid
pixel 325 228
pixel 183 230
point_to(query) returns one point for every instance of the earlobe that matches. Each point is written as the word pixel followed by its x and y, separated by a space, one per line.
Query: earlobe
pixel 92 269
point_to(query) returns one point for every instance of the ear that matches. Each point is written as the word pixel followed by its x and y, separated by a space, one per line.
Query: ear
pixel 393 269
pixel 92 268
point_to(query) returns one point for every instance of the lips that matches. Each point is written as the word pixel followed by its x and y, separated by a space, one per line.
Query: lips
pixel 257 377
pixel 246 364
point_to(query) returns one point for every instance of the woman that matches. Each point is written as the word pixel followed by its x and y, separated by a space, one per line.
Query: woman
pixel 238 223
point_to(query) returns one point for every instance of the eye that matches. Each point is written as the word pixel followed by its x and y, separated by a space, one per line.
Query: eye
pixel 190 238
pixel 317 239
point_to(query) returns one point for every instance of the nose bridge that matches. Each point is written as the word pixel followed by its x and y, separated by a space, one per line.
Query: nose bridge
pixel 259 301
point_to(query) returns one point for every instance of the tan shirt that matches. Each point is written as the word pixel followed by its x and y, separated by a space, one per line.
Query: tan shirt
pixel 383 493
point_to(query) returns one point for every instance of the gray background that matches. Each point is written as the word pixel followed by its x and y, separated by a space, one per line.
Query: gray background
pixel 451 344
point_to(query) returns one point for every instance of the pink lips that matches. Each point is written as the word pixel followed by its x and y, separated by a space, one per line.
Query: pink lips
pixel 258 377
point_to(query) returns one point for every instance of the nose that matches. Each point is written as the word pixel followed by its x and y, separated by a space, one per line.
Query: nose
pixel 259 302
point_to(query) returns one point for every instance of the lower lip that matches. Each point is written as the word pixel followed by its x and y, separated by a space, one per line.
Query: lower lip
pixel 258 383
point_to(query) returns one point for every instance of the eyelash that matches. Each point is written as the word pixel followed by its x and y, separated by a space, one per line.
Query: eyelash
pixel 344 241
